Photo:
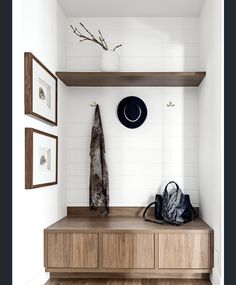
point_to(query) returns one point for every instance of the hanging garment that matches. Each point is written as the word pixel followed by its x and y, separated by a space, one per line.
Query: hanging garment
pixel 99 182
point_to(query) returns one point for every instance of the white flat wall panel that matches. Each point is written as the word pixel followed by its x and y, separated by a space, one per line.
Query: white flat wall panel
pixel 80 197
pixel 38 27
pixel 87 49
pixel 129 169
pixel 134 8
pixel 149 44
pixel 211 106
pixel 136 63
pixel 140 161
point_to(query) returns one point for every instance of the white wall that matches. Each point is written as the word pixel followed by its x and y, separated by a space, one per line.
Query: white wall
pixel 211 127
pixel 38 27
pixel 165 147
pixel 149 44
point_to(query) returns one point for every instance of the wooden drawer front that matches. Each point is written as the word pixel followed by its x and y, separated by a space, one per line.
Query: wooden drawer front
pixel 72 250
pixel 128 250
pixel 184 250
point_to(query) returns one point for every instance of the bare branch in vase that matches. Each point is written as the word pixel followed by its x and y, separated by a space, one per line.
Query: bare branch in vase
pixel 103 39
pixel 116 47
pixel 100 41
pixel 93 39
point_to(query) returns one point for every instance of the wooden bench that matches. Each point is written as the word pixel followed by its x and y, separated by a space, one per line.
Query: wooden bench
pixel 123 245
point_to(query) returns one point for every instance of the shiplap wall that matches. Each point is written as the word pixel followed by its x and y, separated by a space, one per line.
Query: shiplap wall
pixel 165 147
pixel 149 44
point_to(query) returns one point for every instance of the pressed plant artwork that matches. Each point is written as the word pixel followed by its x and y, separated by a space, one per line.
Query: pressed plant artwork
pixel 41 156
pixel 41 94
pixel 40 90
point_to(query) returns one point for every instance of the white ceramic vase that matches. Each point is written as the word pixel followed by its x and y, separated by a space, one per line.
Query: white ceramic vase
pixel 110 61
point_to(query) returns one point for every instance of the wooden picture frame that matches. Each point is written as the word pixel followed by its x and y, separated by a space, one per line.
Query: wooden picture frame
pixel 41 159
pixel 40 90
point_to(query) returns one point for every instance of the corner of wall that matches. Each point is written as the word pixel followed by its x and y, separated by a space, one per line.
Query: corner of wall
pixel 210 127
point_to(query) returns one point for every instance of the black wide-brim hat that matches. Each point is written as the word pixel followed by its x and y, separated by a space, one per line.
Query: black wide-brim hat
pixel 132 112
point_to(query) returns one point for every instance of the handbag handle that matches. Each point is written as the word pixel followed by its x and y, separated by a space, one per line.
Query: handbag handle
pixel 148 220
pixel 145 211
pixel 177 186
pixel 195 215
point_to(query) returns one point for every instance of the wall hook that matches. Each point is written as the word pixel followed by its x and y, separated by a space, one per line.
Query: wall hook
pixel 170 104
pixel 93 104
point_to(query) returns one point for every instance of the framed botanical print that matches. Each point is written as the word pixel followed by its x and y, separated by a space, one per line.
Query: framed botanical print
pixel 40 91
pixel 41 159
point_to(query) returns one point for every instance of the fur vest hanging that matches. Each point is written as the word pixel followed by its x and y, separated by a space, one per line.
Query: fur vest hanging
pixel 99 182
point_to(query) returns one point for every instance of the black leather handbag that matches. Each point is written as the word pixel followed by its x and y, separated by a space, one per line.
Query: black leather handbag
pixel 174 207
pixel 157 208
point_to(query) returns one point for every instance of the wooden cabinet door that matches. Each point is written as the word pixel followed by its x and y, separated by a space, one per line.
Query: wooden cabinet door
pixel 72 250
pixel 190 250
pixel 124 250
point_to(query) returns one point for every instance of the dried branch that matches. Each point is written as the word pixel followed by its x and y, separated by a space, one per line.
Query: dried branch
pixel 116 47
pixel 103 40
pixel 88 31
pixel 93 39
pixel 100 41
pixel 83 40
pixel 77 31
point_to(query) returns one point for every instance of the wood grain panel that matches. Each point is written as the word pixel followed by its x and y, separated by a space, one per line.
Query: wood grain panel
pixel 28 58
pixel 113 212
pixel 126 282
pixel 121 250
pixel 127 224
pixel 72 250
pixel 183 274
pixel 132 272
pixel 131 78
pixel 128 247
pixel 184 250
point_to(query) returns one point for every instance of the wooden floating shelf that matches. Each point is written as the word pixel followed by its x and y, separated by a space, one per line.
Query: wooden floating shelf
pixel 131 78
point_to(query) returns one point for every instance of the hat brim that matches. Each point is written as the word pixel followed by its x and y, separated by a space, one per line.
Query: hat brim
pixel 121 115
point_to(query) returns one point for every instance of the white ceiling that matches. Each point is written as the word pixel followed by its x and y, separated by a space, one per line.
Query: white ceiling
pixel 132 8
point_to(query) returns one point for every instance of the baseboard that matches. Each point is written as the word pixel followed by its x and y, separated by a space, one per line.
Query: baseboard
pixel 127 275
pixel 215 278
